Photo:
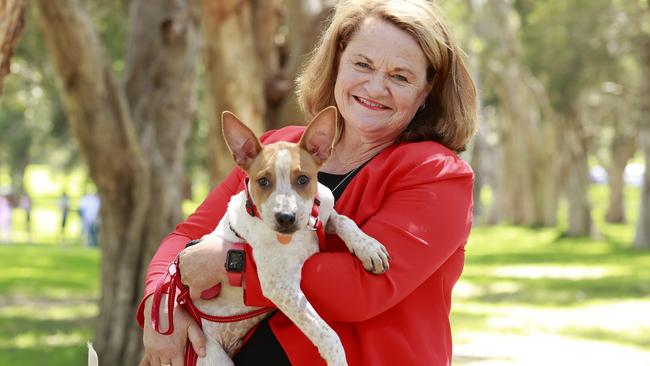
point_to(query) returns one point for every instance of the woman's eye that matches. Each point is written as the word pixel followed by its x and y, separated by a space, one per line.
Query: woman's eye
pixel 399 77
pixel 263 182
pixel 363 65
pixel 302 180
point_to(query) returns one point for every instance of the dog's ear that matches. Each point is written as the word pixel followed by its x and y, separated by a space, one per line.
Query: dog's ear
pixel 320 135
pixel 241 141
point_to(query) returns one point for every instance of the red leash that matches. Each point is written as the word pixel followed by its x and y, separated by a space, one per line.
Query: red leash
pixel 183 299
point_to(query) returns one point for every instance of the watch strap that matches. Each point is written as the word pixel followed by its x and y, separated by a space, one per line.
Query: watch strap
pixel 236 278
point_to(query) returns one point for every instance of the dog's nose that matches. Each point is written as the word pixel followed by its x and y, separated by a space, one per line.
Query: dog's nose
pixel 285 218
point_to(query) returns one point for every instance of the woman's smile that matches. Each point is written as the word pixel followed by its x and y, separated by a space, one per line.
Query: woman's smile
pixel 370 104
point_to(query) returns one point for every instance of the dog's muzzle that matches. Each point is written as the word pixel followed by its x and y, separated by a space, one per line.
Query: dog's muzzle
pixel 285 222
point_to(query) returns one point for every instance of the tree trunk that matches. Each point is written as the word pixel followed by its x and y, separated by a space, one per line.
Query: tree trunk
pixel 132 140
pixel 622 149
pixel 12 22
pixel 576 142
pixel 234 74
pixel 244 36
pixel 642 240
pixel 305 19
pixel 526 191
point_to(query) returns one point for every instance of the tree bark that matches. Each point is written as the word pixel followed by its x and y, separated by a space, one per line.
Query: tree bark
pixel 12 22
pixel 576 171
pixel 244 36
pixel 131 138
pixel 234 75
pixel 305 19
pixel 622 149
pixel 527 188
pixel 642 239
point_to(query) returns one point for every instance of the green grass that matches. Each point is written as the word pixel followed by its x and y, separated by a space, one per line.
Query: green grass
pixel 47 303
pixel 533 296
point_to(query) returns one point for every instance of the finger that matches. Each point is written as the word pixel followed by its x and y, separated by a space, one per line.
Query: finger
pixel 178 360
pixel 145 361
pixel 197 338
pixel 154 360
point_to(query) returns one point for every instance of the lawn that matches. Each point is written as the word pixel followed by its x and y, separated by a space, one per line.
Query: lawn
pixel 48 299
pixel 526 297
pixel 534 297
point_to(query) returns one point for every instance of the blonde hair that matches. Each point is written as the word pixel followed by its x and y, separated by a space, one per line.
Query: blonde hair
pixel 449 112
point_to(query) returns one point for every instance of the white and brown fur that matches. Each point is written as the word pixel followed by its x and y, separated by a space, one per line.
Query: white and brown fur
pixel 279 265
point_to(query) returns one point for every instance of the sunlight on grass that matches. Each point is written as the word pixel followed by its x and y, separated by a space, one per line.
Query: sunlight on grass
pixel 48 297
pixel 50 311
pixel 30 340
pixel 542 349
pixel 534 297
pixel 549 271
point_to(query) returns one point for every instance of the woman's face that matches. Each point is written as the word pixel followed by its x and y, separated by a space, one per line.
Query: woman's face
pixel 381 80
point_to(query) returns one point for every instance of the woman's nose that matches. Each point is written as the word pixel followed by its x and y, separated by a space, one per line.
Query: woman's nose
pixel 376 85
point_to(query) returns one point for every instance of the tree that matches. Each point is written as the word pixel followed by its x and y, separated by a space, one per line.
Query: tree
pixel 571 55
pixel 264 41
pixel 12 22
pixel 612 109
pixel 526 189
pixel 235 71
pixel 642 239
pixel 131 136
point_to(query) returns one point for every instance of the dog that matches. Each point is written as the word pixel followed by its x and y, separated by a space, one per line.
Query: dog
pixel 283 187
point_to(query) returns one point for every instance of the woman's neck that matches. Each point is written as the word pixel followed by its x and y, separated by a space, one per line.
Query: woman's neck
pixel 351 152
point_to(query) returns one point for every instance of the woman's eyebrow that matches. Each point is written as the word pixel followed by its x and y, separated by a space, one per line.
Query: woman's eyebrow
pixel 397 69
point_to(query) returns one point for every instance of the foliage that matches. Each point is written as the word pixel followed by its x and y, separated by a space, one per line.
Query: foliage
pixel 570 53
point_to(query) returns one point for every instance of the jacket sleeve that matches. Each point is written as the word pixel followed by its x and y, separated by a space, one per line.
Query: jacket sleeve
pixel 422 222
pixel 201 222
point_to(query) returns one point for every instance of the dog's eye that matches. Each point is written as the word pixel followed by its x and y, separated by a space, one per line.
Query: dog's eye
pixel 264 182
pixel 302 180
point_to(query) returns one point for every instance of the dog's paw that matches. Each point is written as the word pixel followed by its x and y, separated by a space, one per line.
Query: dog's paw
pixel 373 254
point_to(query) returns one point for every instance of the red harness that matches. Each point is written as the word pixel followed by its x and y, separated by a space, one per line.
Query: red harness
pixel 183 298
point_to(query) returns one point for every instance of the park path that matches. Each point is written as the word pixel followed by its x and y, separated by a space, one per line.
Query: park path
pixel 487 349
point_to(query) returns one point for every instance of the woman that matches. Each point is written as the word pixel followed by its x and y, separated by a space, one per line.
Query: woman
pixel 408 106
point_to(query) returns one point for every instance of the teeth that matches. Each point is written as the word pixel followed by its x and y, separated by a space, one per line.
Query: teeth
pixel 370 103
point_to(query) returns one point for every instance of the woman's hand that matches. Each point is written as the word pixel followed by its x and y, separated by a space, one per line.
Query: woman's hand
pixel 202 264
pixel 170 349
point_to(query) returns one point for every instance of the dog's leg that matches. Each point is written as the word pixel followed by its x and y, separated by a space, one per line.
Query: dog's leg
pixel 293 303
pixel 373 254
pixel 215 355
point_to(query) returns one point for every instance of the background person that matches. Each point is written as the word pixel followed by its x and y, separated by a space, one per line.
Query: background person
pixel 5 218
pixel 64 207
pixel 89 206
pixel 408 106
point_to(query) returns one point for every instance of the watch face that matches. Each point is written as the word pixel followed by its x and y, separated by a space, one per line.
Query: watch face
pixel 235 261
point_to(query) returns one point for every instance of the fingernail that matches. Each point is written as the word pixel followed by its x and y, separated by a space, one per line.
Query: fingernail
pixel 202 351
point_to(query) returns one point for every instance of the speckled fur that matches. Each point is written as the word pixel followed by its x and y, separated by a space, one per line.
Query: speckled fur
pixel 279 266
pixel 279 269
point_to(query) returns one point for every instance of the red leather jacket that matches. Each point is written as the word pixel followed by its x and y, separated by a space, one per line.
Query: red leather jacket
pixel 416 199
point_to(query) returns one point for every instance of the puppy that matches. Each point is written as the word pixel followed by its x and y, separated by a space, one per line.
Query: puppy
pixel 275 215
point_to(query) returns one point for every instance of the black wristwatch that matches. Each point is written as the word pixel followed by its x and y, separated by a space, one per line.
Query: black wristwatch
pixel 235 263
pixel 235 260
pixel 192 242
